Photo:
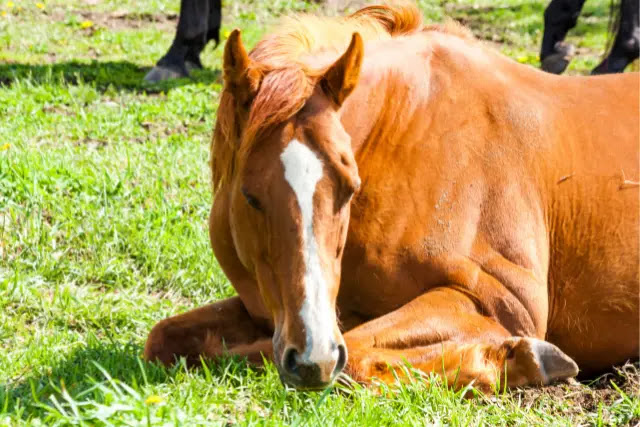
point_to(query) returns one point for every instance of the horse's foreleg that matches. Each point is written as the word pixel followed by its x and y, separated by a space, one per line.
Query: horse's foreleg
pixel 210 331
pixel 442 332
pixel 190 39
pixel 559 17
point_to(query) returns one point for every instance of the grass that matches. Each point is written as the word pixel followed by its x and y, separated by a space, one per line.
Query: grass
pixel 104 195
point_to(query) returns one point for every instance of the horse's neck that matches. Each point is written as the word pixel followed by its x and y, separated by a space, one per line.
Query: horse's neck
pixel 387 91
pixel 395 85
pixel 429 81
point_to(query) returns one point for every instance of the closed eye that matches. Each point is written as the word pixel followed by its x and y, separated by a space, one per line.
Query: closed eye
pixel 251 200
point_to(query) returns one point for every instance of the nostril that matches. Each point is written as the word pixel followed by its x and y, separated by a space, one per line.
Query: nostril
pixel 342 360
pixel 290 360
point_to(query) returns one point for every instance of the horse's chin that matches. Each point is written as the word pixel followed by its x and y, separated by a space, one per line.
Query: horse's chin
pixel 293 382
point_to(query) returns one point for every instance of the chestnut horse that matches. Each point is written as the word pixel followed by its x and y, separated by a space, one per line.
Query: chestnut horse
pixel 410 195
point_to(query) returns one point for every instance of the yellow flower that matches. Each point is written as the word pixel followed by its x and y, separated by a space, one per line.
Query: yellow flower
pixel 153 399
pixel 40 5
pixel 3 13
pixel 226 34
pixel 9 4
pixel 86 24
pixel 5 147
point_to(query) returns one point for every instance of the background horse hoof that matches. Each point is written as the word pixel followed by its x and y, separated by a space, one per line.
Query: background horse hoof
pixel 190 66
pixel 160 73
pixel 558 61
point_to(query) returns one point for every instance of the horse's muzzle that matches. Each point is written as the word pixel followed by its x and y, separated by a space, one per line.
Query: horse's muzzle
pixel 303 374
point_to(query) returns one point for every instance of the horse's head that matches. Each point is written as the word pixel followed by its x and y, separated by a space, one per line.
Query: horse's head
pixel 290 192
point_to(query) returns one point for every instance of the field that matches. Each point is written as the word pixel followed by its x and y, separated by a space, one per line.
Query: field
pixel 104 195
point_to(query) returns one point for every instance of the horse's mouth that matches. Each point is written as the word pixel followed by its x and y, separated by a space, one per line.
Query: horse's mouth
pixel 299 385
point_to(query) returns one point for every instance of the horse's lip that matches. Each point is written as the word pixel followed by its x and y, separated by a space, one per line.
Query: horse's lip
pixel 294 382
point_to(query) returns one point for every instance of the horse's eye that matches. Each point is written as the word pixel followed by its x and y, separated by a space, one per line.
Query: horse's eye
pixel 253 202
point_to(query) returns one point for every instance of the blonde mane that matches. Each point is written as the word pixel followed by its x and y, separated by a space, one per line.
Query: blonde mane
pixel 287 80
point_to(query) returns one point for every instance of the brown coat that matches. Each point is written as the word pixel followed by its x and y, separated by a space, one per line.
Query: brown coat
pixel 496 224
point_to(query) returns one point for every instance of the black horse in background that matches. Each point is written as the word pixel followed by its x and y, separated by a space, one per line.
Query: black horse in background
pixel 199 22
pixel 562 15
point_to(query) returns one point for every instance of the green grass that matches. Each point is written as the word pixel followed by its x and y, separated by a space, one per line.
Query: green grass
pixel 104 196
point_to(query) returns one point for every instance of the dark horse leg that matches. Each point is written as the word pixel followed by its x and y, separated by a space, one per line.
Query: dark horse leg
pixel 559 17
pixel 626 46
pixel 199 22
pixel 192 59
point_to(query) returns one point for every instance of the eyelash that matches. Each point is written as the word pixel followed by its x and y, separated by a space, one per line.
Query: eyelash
pixel 252 201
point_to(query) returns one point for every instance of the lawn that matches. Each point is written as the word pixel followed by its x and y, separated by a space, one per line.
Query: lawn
pixel 104 196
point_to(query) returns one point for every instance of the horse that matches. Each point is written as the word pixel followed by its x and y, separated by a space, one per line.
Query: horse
pixel 388 193
pixel 562 15
pixel 199 22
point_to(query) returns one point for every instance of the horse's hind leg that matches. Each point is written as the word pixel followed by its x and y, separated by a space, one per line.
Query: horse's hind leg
pixel 210 331
pixel 626 46
pixel 442 332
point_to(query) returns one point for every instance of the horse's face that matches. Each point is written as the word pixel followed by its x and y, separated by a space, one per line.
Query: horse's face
pixel 290 208
pixel 290 215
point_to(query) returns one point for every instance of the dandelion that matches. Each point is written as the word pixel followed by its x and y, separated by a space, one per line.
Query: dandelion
pixel 153 400
pixel 10 4
pixel 3 13
pixel 5 147
pixel 40 5
pixel 86 24
pixel 226 34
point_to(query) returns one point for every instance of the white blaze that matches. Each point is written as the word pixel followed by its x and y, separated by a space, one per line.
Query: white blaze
pixel 303 170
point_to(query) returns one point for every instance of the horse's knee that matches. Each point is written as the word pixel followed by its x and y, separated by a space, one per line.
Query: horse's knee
pixel 358 366
pixel 171 339
pixel 156 349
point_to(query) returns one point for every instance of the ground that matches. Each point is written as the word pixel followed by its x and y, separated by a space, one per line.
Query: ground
pixel 104 195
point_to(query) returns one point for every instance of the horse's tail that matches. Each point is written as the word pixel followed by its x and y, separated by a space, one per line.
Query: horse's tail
pixel 615 15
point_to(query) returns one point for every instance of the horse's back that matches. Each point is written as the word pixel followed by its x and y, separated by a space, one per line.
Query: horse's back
pixel 594 223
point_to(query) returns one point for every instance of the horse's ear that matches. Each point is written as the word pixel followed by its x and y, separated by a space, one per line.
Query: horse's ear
pixel 341 78
pixel 242 80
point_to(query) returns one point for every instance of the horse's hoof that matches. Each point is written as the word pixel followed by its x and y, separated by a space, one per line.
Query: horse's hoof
pixel 558 61
pixel 190 66
pixel 160 73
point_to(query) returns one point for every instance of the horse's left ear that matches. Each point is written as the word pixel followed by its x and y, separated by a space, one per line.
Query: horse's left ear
pixel 242 80
pixel 341 78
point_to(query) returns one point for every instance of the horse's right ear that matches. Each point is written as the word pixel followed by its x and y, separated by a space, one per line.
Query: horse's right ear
pixel 241 79
pixel 342 77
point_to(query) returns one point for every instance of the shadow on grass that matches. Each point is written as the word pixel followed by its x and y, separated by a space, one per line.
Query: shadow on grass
pixel 78 372
pixel 110 75
pixel 83 368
